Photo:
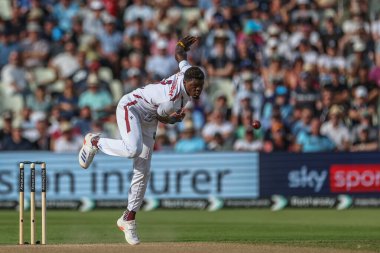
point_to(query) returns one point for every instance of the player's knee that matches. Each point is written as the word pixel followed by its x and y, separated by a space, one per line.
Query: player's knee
pixel 135 151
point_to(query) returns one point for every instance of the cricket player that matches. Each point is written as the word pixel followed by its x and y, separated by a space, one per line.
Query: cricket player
pixel 137 116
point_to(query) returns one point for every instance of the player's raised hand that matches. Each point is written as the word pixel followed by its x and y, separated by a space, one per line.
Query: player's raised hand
pixel 187 41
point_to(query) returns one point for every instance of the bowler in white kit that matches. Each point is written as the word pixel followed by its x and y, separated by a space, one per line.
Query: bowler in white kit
pixel 137 116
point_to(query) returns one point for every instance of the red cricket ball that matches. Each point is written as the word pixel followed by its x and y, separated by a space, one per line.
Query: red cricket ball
pixel 256 124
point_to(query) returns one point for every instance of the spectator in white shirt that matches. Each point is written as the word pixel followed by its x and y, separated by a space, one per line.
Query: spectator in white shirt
pixel 335 130
pixel 13 75
pixel 248 143
pixel 217 124
pixel 66 63
pixel 69 141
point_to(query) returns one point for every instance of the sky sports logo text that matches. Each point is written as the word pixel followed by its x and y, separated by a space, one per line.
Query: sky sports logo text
pixel 355 178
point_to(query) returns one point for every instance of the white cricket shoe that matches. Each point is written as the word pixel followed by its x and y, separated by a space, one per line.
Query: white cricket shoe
pixel 88 150
pixel 129 229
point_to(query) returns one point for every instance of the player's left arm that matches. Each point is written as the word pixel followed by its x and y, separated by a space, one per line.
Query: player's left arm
pixel 183 45
pixel 172 118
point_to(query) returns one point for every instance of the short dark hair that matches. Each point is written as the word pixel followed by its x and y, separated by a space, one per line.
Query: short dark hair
pixel 194 73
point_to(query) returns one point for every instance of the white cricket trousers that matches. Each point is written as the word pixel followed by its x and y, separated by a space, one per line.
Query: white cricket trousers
pixel 137 143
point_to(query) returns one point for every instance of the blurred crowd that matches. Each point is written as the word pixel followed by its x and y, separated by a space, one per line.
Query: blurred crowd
pixel 309 70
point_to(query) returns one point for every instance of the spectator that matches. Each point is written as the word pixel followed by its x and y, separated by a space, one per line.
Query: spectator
pixel 8 44
pixel 335 129
pixel 68 100
pixel 161 65
pixel 303 124
pixel 314 141
pixel 364 142
pixel 14 76
pixel 277 136
pixel 305 95
pixel 138 10
pixel 188 141
pixel 69 141
pixel 64 11
pixel 66 63
pixel 216 124
pixel 248 143
pixel 110 40
pixel 35 50
pixel 99 101
pixel 16 141
pixel 83 123
pixel 220 61
pixel 39 101
pixel 92 22
pixel 6 130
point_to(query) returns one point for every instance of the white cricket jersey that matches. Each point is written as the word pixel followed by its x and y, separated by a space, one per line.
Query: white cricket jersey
pixel 161 98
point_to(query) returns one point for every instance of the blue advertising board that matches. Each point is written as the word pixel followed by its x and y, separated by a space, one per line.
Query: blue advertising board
pixel 173 176
pixel 319 174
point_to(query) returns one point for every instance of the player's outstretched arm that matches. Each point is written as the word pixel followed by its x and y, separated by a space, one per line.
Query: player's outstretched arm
pixel 172 118
pixel 183 45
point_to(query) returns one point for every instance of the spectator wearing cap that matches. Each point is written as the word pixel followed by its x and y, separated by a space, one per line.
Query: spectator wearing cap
pixel 305 95
pixel 100 101
pixel 162 64
pixel 313 140
pixel 16 141
pixel 363 80
pixel 248 143
pixel 337 86
pixel 66 63
pixel 253 89
pixel 364 142
pixel 366 121
pixel 39 101
pixel 69 141
pixel 92 21
pixel 220 61
pixel 335 129
pixel 64 11
pixel 359 104
pixel 110 40
pixel 189 142
pixel 281 101
pixel 139 9
pixel 164 31
pixel 359 55
pixel 14 76
pixel 276 137
pixel 35 49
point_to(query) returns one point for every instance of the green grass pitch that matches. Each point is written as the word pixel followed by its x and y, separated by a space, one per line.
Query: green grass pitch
pixel 350 229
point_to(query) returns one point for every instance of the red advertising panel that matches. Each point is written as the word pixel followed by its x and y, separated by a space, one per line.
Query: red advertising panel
pixel 355 178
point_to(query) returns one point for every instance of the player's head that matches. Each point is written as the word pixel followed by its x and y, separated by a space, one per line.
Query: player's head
pixel 193 81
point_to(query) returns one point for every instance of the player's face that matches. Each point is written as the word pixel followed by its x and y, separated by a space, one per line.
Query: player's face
pixel 194 88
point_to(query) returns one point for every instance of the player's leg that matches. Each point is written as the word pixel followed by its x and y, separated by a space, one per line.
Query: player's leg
pixel 130 145
pixel 139 183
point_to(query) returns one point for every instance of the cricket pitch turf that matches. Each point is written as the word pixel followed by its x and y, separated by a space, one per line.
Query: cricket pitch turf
pixel 242 230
